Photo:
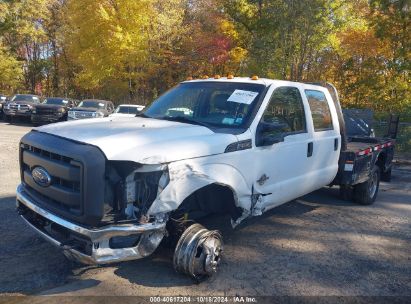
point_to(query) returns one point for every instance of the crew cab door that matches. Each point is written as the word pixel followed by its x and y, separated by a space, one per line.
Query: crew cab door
pixel 326 137
pixel 283 149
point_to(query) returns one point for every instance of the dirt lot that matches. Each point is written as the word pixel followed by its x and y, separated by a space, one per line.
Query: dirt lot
pixel 316 245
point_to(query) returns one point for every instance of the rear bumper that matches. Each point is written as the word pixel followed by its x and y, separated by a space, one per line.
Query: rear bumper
pixel 100 251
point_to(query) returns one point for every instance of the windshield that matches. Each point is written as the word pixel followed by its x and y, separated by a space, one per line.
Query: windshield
pixel 91 104
pixel 126 110
pixel 28 98
pixel 219 104
pixel 56 101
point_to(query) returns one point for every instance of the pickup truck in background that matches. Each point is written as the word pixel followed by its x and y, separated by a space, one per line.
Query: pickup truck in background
pixel 91 108
pixel 109 190
pixel 52 109
pixel 20 105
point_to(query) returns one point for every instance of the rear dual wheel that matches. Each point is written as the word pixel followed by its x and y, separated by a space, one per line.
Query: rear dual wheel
pixel 366 192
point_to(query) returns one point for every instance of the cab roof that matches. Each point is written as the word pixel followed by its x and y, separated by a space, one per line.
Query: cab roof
pixel 263 81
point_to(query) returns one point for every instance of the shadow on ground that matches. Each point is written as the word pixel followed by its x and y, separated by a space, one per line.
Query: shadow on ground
pixel 18 121
pixel 27 262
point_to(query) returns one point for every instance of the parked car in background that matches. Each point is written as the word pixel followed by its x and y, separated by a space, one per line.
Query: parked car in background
pixel 3 99
pixel 20 105
pixel 127 110
pixel 91 108
pixel 53 109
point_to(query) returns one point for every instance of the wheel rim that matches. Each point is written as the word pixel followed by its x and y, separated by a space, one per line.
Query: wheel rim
pixel 198 252
pixel 373 184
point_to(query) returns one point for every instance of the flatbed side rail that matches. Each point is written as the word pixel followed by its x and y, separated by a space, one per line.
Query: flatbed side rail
pixel 355 164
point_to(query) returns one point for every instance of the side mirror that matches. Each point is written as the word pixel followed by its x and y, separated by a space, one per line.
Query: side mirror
pixel 269 133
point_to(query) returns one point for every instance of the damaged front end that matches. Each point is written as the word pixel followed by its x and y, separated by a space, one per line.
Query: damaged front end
pixel 126 230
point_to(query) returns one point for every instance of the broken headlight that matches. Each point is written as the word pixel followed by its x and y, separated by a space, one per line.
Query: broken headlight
pixel 141 189
pixel 131 188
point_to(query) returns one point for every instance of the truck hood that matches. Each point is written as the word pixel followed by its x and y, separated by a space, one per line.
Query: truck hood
pixel 143 140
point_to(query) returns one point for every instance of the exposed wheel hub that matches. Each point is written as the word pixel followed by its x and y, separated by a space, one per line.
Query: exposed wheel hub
pixel 198 252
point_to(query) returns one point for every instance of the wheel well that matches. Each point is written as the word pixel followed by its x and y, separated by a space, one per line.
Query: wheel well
pixel 211 199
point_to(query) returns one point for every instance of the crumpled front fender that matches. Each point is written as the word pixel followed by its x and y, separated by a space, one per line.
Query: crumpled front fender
pixel 188 176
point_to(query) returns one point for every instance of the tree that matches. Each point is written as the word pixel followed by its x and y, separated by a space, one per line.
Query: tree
pixel 11 72
pixel 22 30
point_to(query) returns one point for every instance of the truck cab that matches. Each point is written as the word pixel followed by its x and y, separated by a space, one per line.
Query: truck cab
pixel 110 189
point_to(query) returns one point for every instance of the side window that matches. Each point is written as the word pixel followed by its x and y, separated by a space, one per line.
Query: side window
pixel 285 111
pixel 320 110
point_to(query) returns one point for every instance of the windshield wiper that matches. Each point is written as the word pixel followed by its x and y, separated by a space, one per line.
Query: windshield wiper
pixel 184 120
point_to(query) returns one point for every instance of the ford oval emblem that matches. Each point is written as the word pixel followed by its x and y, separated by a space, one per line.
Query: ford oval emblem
pixel 41 176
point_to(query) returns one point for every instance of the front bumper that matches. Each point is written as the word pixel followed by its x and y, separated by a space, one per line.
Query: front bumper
pixel 150 234
pixel 20 113
pixel 47 117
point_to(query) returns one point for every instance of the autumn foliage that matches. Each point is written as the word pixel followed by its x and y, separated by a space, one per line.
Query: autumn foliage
pixel 133 50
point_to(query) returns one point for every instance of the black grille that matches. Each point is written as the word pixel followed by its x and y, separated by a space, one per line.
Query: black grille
pixel 77 173
pixel 45 111
pixel 65 172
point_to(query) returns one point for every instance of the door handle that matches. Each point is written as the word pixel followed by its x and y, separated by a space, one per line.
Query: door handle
pixel 310 149
pixel 335 144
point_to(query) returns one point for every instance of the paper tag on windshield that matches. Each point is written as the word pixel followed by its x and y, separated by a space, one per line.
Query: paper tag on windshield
pixel 241 96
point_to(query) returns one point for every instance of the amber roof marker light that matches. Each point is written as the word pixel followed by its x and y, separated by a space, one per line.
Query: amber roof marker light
pixel 254 77
pixel 189 78
pixel 230 76
pixel 205 77
pixel 217 76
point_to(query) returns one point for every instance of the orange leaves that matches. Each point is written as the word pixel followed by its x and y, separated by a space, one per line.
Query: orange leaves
pixel 362 43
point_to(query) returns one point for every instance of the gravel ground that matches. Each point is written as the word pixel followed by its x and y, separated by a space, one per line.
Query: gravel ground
pixel 316 245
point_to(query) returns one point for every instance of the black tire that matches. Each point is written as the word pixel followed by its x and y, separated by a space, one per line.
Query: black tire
pixel 386 176
pixel 7 118
pixel 366 192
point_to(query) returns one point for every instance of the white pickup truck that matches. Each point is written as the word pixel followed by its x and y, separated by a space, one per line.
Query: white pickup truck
pixel 110 190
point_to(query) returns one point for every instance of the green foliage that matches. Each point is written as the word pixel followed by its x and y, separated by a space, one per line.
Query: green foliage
pixel 10 71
